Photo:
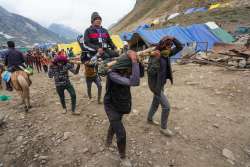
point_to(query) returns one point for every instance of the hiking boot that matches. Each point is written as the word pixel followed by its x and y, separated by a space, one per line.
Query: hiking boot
pixel 153 122
pixel 125 162
pixel 167 132
pixel 76 113
pixel 64 111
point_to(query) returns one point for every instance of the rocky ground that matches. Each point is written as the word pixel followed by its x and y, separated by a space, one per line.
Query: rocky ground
pixel 210 117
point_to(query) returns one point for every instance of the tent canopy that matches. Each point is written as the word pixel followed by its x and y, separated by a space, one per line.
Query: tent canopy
pixel 74 45
pixel 195 33
pixel 220 33
pixel 117 41
pixel 126 36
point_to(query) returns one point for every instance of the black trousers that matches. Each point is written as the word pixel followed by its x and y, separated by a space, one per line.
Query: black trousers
pixel 116 128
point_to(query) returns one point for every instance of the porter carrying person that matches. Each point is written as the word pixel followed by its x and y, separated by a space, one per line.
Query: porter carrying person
pixel 159 70
pixel 117 102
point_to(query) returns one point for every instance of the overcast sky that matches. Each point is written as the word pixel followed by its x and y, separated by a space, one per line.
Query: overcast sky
pixel 73 13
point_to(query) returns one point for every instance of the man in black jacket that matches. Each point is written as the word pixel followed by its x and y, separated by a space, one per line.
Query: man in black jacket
pixel 97 38
pixel 159 70
pixel 13 59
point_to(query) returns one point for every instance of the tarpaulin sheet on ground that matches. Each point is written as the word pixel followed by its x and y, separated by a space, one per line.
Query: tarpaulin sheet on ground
pixel 117 41
pixel 220 33
pixel 173 16
pixel 74 45
pixel 193 10
pixel 214 6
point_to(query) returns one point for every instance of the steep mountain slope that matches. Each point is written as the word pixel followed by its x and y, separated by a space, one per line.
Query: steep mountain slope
pixel 146 10
pixel 23 30
pixel 64 31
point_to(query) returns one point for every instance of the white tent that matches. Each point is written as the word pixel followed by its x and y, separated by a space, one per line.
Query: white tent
pixel 173 16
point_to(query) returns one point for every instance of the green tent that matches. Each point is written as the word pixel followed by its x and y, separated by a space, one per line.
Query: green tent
pixel 23 49
pixel 220 33
pixel 223 35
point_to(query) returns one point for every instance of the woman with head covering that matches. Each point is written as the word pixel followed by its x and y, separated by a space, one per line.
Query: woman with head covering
pixel 59 71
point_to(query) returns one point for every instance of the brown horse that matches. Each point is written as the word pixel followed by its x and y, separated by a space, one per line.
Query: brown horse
pixel 21 83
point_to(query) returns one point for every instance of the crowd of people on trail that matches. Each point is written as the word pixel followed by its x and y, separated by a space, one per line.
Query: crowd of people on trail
pixel 96 43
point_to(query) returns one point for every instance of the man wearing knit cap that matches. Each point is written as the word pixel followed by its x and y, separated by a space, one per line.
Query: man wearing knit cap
pixel 97 38
pixel 97 41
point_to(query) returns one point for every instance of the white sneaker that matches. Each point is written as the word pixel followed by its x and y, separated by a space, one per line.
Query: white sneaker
pixel 167 132
pixel 64 111
pixel 125 162
pixel 153 122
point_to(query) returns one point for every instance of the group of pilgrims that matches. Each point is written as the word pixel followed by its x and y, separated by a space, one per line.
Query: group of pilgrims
pixel 96 42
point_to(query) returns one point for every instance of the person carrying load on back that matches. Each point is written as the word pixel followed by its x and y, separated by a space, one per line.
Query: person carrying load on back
pixel 118 102
pixel 97 39
pixel 14 60
pixel 159 70
pixel 59 71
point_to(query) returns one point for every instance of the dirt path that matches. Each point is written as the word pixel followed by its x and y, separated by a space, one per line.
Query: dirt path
pixel 210 112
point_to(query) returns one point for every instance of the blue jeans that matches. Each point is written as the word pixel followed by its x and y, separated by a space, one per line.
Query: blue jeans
pixel 157 100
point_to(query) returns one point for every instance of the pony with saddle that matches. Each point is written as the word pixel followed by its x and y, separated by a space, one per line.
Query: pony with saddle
pixel 20 82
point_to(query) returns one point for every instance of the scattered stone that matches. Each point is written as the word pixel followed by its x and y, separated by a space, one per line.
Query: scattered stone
pixel 101 149
pixel 2 118
pixel 150 163
pixel 19 139
pixel 66 135
pixel 1 164
pixel 229 155
pixel 25 142
pixel 216 126
pixel 192 83
pixel 43 162
pixel 153 151
pixel 43 158
pixel 247 150
pixel 85 150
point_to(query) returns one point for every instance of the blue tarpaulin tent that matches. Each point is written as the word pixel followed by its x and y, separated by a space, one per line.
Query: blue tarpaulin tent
pixel 201 33
pixel 198 33
pixel 193 10
pixel 126 36
pixel 154 36
pixel 189 11
pixel 194 33
pixel 202 9
pixel 143 26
